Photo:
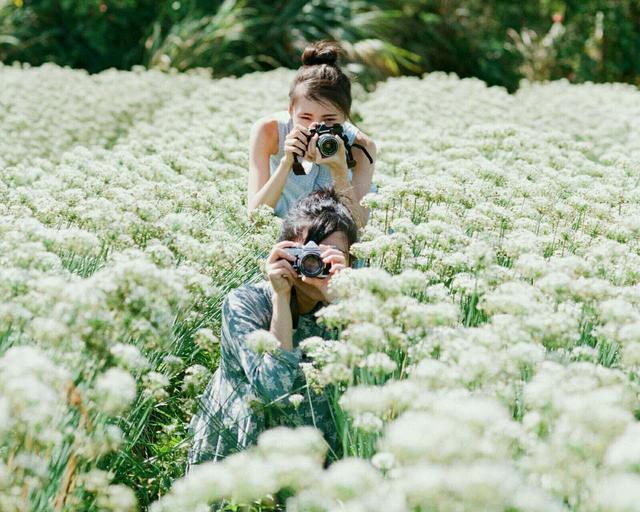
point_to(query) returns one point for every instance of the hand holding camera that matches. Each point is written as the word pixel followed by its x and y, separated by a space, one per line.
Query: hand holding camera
pixel 278 267
pixel 332 260
pixel 326 145
pixel 311 263
pixel 308 261
pixel 296 142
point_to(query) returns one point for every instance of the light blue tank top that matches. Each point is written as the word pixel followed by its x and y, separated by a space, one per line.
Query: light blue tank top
pixel 319 176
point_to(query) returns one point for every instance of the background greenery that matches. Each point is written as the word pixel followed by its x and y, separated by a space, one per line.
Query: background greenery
pixel 499 41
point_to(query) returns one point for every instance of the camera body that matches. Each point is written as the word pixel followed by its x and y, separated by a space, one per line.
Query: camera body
pixel 308 261
pixel 327 143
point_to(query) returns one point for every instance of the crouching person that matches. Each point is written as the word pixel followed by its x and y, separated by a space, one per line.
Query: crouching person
pixel 259 383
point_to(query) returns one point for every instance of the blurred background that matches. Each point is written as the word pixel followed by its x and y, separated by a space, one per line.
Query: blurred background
pixel 498 41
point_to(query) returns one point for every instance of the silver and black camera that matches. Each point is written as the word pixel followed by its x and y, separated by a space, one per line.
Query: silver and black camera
pixel 308 261
pixel 327 143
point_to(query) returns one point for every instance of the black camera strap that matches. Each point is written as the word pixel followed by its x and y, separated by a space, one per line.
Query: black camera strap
pixel 298 170
pixel 293 305
pixel 359 146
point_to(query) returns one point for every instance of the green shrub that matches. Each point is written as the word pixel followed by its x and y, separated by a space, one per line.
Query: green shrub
pixel 497 40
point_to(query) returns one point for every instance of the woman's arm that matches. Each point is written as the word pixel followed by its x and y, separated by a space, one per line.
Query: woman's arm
pixel 363 171
pixel 361 178
pixel 281 277
pixel 281 320
pixel 263 142
pixel 262 188
pixel 271 375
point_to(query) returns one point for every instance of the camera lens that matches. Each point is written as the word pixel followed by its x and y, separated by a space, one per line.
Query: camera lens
pixel 328 145
pixel 311 265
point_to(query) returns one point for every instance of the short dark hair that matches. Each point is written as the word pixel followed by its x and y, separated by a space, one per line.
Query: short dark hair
pixel 316 216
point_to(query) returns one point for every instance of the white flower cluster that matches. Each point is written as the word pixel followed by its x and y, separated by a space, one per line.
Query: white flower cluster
pixel 488 359
pixel 284 458
pixel 122 226
pixel 494 364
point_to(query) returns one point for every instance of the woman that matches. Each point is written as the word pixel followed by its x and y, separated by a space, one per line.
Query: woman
pixel 320 93
pixel 249 391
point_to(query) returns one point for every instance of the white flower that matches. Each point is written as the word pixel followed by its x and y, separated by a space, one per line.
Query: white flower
pixel 205 339
pixel 96 480
pixel 368 422
pixel 118 498
pixel 379 363
pixel 155 384
pixel 334 373
pixel 384 461
pixel 367 336
pixel 262 341
pixel 5 416
pixel 363 399
pixel 114 391
pixel 173 364
pixel 195 378
pixel 306 441
pixel 296 399
pixel 618 492
pixel 631 354
pixel 624 452
pixel 129 357
pixel 348 478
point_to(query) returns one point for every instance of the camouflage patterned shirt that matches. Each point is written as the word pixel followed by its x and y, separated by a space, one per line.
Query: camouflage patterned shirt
pixel 248 392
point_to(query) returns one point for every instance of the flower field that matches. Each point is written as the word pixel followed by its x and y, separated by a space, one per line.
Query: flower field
pixel 488 358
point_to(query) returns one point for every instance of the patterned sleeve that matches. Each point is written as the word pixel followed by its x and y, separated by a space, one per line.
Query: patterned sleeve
pixel 272 376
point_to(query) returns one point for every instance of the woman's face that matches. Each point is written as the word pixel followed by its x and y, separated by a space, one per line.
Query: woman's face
pixel 311 289
pixel 305 112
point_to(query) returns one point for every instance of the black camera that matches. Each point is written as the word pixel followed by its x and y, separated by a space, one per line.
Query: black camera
pixel 327 143
pixel 308 261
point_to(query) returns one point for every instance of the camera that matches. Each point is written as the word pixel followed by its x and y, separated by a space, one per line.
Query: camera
pixel 327 143
pixel 308 261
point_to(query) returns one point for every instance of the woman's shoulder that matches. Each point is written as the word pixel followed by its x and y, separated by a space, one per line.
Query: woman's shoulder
pixel 271 121
pixel 365 140
pixel 267 125
pixel 267 129
pixel 265 132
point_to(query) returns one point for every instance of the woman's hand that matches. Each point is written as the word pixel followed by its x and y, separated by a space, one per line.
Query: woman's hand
pixel 278 267
pixel 338 261
pixel 296 142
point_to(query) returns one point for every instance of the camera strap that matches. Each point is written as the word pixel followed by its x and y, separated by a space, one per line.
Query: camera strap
pixel 360 146
pixel 350 160
pixel 293 305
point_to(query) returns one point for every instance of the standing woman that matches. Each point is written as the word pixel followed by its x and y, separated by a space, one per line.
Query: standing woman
pixel 320 93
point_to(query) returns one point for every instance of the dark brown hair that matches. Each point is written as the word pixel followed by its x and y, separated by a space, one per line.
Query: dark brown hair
pixel 322 78
pixel 316 216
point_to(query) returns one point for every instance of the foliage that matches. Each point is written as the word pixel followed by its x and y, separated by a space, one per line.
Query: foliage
pixel 499 42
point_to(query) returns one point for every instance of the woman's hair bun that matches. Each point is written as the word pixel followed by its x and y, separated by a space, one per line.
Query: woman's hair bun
pixel 322 52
